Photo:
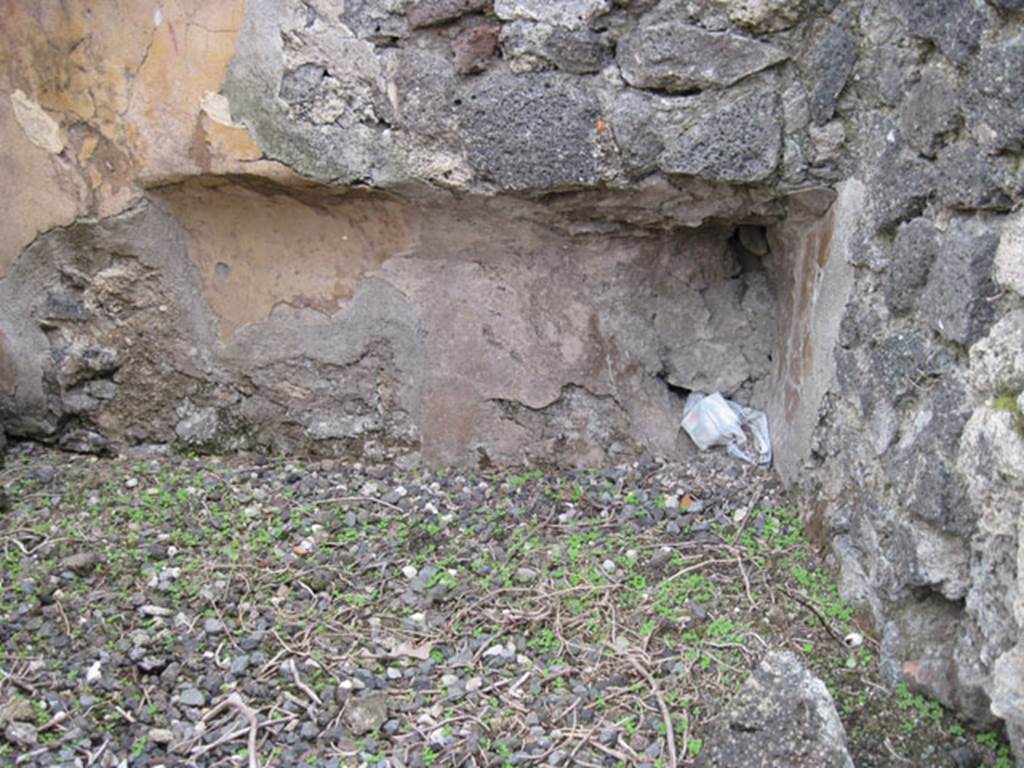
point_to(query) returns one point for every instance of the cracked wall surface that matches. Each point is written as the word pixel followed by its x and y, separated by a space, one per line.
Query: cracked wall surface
pixel 486 232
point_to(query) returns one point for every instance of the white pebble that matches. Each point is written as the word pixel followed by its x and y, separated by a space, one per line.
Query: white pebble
pixel 94 674
pixel 608 565
pixel 438 738
pixel 155 610
pixel 410 572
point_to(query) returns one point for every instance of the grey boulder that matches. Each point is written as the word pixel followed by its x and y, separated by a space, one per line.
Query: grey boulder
pixel 782 717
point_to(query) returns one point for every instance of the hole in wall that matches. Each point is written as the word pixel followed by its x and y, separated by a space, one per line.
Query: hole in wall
pixel 455 328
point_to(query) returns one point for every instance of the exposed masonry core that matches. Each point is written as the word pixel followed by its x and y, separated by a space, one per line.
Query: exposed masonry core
pixel 236 313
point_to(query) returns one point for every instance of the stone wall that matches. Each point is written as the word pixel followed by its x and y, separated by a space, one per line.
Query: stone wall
pixel 475 231
pixel 915 468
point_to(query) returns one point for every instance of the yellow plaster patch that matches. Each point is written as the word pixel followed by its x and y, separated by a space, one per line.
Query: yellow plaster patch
pixel 38 199
pixel 256 249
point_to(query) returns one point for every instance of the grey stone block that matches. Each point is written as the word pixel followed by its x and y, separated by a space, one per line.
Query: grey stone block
pixel 378 21
pixel 930 110
pixel 955 26
pixel 908 180
pixel 924 467
pixel 642 123
pixel 968 178
pixel 571 14
pixel 1007 5
pixel 739 141
pixel 957 301
pixel 425 89
pixel 530 45
pixel 668 54
pixel 782 716
pixel 994 93
pixel 832 62
pixel 914 252
pixel 425 13
pixel 535 131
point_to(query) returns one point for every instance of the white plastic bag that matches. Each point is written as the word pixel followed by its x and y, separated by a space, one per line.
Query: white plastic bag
pixel 712 420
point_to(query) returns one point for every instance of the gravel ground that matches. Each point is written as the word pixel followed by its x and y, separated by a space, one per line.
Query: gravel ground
pixel 246 611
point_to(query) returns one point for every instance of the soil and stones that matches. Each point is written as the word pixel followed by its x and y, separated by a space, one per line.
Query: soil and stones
pixel 170 610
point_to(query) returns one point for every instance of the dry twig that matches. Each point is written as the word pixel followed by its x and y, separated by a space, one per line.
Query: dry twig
pixel 665 714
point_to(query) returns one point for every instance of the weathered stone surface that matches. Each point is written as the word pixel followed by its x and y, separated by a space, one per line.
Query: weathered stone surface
pixel 915 250
pixel 909 181
pixel 827 142
pixel 924 462
pixel 993 95
pixel 1009 271
pixel 930 111
pixel 475 48
pixel 425 87
pixel 719 363
pixel 642 124
pixel 955 26
pixel 992 466
pixel 764 15
pixel 569 14
pixel 379 21
pixel 739 141
pixel 957 301
pixel 920 637
pixel 783 716
pixel 1008 692
pixel 816 282
pixel 36 206
pixel 529 46
pixel 578 51
pixel 41 129
pixel 674 56
pixel 367 713
pixel 970 179
pixel 424 13
pixel 997 361
pixel 339 131
pixel 535 131
pixel 832 62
